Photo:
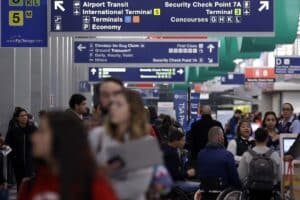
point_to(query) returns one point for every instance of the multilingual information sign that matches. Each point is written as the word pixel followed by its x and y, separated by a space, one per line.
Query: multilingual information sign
pixel 165 75
pixel 223 17
pixel 287 65
pixel 24 23
pixel 147 53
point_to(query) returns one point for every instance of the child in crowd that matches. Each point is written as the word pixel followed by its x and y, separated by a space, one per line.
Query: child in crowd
pixel 243 141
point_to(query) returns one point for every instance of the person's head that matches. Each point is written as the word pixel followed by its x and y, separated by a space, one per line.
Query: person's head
pixel 176 138
pixel 206 110
pixel 162 116
pixel 21 116
pixel 167 122
pixel 106 92
pixel 244 129
pixel 62 143
pixel 261 136
pixel 78 103
pixel 238 113
pixel 270 120
pixel 127 110
pixel 287 111
pixel 42 114
pixel 215 135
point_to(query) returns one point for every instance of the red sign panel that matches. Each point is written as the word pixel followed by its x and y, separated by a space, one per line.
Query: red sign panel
pixel 260 74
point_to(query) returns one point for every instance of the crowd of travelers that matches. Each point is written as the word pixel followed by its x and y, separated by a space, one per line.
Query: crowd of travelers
pixel 125 150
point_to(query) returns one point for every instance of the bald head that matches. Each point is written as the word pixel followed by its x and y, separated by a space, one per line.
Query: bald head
pixel 216 135
pixel 206 110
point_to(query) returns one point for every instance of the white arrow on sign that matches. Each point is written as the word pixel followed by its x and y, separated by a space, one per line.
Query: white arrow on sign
pixel 180 71
pixel 93 70
pixel 58 4
pixel 264 5
pixel 211 48
pixel 80 47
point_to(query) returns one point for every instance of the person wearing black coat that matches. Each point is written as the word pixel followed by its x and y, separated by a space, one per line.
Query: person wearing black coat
pixel 18 138
pixel 198 135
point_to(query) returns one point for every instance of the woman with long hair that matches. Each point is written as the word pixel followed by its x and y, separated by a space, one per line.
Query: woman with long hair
pixel 126 123
pixel 18 138
pixel 270 123
pixel 68 171
pixel 243 141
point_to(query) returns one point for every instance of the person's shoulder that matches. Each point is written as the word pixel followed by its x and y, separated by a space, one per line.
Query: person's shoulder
pixel 226 153
pixel 95 135
pixel 97 131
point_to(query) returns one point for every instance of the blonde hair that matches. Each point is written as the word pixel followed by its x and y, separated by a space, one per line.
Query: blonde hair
pixel 138 119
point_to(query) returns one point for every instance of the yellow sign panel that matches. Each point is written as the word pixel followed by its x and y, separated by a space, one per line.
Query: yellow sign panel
pixel 238 11
pixel 16 18
pixel 156 12
pixel 28 14
pixel 16 2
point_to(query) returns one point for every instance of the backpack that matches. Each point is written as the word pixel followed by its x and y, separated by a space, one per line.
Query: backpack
pixel 262 173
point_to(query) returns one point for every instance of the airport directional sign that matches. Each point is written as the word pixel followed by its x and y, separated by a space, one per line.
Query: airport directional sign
pixel 287 65
pixel 152 54
pixel 163 75
pixel 143 17
pixel 24 23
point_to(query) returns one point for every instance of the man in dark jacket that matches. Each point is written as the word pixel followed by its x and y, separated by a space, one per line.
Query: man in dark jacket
pixel 19 139
pixel 198 135
pixel 78 106
pixel 215 162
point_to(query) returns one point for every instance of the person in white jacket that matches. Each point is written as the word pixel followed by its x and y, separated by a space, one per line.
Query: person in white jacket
pixel 243 142
pixel 126 122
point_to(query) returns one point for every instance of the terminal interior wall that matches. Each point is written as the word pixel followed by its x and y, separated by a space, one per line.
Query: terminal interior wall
pixel 37 78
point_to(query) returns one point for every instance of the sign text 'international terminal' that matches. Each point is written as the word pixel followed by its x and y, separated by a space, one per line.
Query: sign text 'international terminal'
pixel 165 75
pixel 219 17
pixel 147 53
pixel 287 65
pixel 24 23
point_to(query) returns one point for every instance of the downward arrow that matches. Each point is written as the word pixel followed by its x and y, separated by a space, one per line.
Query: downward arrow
pixel 264 5
pixel 59 5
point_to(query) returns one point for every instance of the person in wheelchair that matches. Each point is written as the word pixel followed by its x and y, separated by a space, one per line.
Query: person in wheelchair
pixel 174 163
pixel 215 163
pixel 260 169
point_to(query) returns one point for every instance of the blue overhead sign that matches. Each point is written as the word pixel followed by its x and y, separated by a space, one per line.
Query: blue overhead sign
pixel 180 106
pixel 147 53
pixel 195 102
pixel 233 79
pixel 165 75
pixel 287 65
pixel 222 17
pixel 24 23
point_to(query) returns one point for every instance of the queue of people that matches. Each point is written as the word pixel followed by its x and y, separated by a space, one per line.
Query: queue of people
pixel 123 150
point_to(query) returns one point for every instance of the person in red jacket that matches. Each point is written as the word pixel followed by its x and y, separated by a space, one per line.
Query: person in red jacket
pixel 67 170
